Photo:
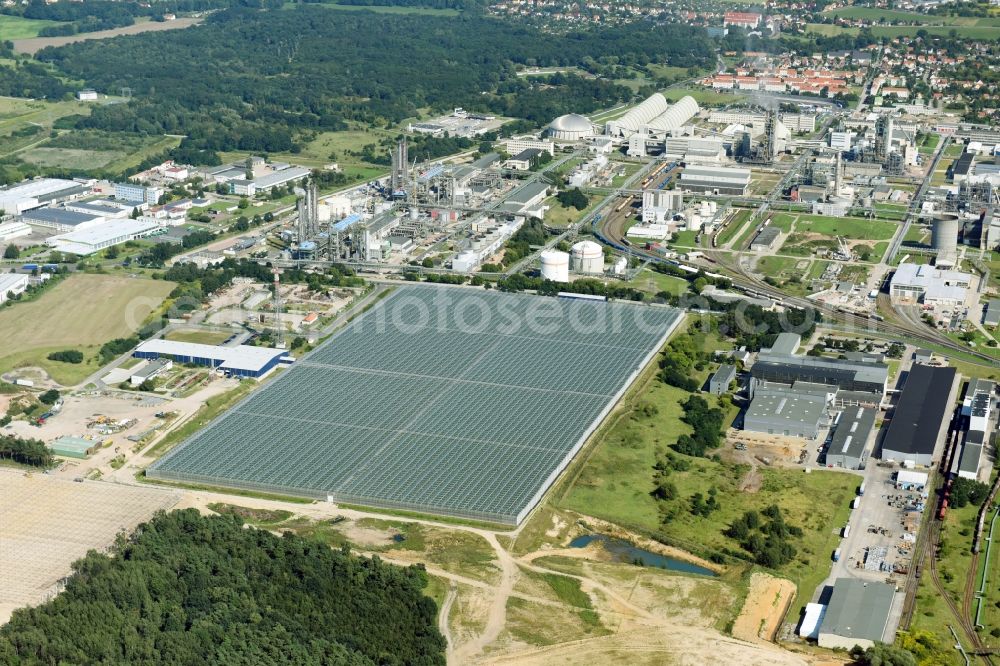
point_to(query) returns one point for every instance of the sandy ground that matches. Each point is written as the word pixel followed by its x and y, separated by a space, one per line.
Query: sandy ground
pixel 35 44
pixel 766 604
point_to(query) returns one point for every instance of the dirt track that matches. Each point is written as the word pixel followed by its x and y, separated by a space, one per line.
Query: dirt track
pixel 766 603
pixel 35 44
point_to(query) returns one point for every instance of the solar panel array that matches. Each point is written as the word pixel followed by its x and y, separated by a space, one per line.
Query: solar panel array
pixel 440 400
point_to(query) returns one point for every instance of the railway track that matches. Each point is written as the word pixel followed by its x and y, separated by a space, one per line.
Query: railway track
pixel 611 234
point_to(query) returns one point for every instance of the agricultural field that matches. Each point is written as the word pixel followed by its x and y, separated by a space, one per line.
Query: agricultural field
pixel 82 312
pixel 616 481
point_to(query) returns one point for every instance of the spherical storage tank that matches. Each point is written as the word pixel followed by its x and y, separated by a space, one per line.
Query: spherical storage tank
pixel 555 266
pixel 571 127
pixel 588 257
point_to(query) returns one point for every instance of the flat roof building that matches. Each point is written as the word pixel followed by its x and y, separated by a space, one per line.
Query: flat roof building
pixel 977 406
pixel 715 180
pixel 150 370
pixel 913 283
pixel 851 431
pixel 858 614
pixel 785 343
pixel 87 241
pixel 719 382
pixel 60 220
pixel 12 283
pixel 991 316
pixel 847 375
pixel 765 239
pixel 35 193
pixel 239 361
pixel 789 411
pixel 920 415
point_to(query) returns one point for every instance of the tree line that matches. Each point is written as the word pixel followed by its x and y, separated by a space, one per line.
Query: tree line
pixel 188 589
pixel 31 452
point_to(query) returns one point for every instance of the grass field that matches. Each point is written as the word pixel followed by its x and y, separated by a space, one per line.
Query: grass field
pixel 654 282
pixel 848 227
pixel 83 312
pixel 17 27
pixel 703 96
pixel 739 218
pixel 616 480
pixel 562 216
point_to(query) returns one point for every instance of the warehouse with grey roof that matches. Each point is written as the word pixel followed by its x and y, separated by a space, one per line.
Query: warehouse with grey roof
pixel 858 614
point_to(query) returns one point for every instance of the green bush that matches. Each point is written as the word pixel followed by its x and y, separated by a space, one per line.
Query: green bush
pixel 67 356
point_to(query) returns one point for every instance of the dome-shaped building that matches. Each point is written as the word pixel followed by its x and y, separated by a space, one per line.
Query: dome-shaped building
pixel 571 127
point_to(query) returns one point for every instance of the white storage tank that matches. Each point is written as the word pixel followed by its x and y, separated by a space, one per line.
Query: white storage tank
pixel 555 266
pixel 588 257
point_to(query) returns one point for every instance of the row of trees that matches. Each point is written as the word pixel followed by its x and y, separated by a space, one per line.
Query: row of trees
pixel 188 589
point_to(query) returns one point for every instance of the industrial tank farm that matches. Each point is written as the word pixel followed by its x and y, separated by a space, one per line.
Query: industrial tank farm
pixel 440 401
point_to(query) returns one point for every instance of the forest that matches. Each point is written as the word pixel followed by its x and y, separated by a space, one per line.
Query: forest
pixel 263 78
pixel 188 589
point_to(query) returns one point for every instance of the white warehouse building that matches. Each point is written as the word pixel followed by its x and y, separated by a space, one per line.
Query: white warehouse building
pixel 655 115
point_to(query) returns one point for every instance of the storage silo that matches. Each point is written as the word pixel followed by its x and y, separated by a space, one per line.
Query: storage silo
pixel 944 239
pixel 588 257
pixel 555 266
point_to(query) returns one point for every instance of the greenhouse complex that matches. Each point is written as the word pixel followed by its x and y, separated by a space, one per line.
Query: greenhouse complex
pixel 457 402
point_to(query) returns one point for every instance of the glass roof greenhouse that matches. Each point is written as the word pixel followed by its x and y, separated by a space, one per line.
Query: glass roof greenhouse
pixel 440 400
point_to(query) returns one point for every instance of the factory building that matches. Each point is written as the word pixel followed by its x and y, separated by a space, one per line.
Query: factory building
pixel 266 183
pixel 60 220
pixel 488 241
pixel 858 614
pixel 721 379
pixel 524 159
pixel 796 411
pixel 12 284
pixel 785 343
pixel 921 415
pixel 239 361
pixel 571 127
pixel 695 149
pixel 659 206
pixel 150 370
pixel 89 240
pixel 920 283
pixel 715 180
pixel 19 198
pixel 527 200
pixel 11 230
pixel 515 145
pixel 870 378
pixel 852 428
pixel 584 173
pixel 976 407
pixel 799 122
pixel 735 117
pixel 138 194
pixel 100 209
pixel 841 140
